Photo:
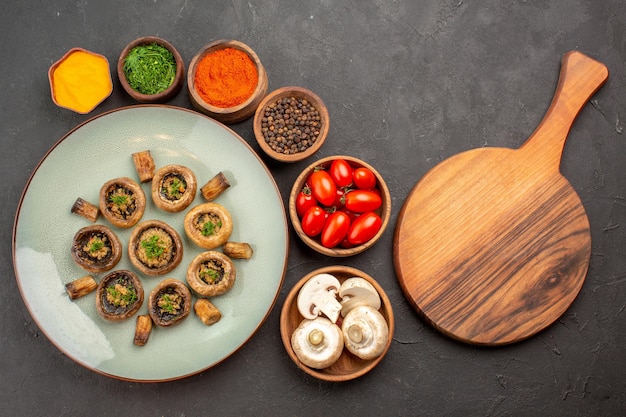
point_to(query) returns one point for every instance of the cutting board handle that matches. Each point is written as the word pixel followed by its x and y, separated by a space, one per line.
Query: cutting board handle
pixel 580 77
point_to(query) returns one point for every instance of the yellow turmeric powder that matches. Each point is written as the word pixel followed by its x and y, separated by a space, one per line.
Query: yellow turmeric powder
pixel 81 80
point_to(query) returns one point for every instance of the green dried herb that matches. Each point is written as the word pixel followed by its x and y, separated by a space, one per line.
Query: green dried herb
pixel 153 247
pixel 119 199
pixel 208 228
pixel 150 69
pixel 166 304
pixel 121 295
pixel 210 276
pixel 95 245
pixel 175 189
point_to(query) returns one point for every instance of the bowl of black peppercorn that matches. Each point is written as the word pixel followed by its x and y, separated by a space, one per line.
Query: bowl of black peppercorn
pixel 291 124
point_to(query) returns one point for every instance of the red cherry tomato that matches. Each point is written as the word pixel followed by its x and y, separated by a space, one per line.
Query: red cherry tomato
pixel 364 228
pixel 341 172
pixel 313 221
pixel 345 244
pixel 323 187
pixel 304 201
pixel 364 178
pixel 335 229
pixel 361 201
pixel 352 215
pixel 339 200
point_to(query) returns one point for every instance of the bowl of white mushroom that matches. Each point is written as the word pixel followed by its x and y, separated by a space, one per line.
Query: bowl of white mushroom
pixel 337 323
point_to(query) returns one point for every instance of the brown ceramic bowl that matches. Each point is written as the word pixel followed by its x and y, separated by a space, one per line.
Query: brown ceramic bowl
pixel 314 242
pixel 298 93
pixel 100 75
pixel 348 366
pixel 166 94
pixel 228 115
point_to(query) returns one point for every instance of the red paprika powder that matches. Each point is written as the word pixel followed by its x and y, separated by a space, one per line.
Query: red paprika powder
pixel 226 77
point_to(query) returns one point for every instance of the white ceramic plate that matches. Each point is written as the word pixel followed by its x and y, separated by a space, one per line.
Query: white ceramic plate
pixel 77 166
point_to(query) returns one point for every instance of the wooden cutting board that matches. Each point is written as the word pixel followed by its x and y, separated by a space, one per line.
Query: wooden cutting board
pixel 492 245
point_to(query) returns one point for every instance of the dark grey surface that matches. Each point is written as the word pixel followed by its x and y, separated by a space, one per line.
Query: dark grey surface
pixel 407 83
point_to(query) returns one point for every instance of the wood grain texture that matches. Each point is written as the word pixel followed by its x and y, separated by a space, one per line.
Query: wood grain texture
pixel 493 244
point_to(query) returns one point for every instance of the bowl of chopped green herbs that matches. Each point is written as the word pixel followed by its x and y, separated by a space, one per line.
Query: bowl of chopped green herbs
pixel 151 70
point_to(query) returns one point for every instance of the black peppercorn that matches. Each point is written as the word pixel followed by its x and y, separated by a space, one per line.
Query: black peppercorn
pixel 290 125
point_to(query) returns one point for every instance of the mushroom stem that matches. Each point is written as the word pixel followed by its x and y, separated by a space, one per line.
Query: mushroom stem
pixel 86 209
pixel 81 287
pixel 144 165
pixel 355 333
pixel 215 186
pixel 143 328
pixel 237 250
pixel 316 337
pixel 327 304
pixel 318 296
pixel 207 312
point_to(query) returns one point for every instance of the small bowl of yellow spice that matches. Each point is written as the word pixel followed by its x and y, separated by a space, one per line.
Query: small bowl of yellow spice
pixel 226 81
pixel 151 70
pixel 80 80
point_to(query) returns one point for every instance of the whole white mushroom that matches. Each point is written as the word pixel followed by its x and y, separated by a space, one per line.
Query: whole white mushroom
pixel 365 332
pixel 317 343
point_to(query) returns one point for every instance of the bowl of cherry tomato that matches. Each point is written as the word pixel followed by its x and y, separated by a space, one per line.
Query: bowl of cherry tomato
pixel 339 206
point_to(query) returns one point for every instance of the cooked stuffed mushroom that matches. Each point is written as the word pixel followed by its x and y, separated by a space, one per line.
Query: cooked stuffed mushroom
pixel 169 302
pixel 208 225
pixel 155 247
pixel 96 248
pixel 122 202
pixel 211 273
pixel 119 295
pixel 173 188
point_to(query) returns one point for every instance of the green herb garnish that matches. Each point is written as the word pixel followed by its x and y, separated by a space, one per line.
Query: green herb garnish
pixel 153 247
pixel 121 295
pixel 210 275
pixel 166 304
pixel 150 69
pixel 175 188
pixel 119 199
pixel 95 245
pixel 208 228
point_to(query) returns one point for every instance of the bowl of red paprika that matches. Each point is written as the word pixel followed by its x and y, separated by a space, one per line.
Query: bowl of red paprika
pixel 151 70
pixel 291 124
pixel 226 81
pixel 339 206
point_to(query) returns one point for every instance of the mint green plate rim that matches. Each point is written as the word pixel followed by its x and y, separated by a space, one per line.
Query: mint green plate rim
pixel 77 166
